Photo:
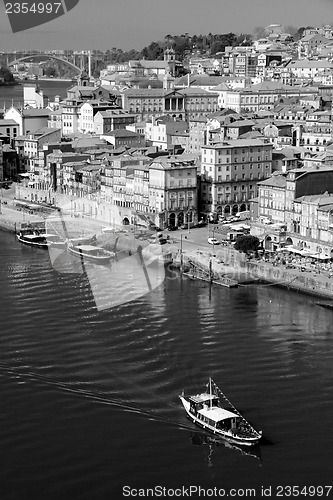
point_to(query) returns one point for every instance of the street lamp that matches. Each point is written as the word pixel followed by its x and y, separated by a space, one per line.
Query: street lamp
pixel 181 249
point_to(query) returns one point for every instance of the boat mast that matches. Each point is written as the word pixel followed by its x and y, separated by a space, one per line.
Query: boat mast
pixel 210 391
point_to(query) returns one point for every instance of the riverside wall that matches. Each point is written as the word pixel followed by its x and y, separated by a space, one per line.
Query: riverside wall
pixel 227 262
pixel 230 263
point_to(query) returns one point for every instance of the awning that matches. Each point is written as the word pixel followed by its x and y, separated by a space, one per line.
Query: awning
pixel 306 253
pixel 320 256
pixel 292 249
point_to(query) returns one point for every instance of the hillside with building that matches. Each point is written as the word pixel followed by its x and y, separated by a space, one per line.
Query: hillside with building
pixel 179 140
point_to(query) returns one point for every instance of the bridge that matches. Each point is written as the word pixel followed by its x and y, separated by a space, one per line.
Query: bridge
pixel 44 57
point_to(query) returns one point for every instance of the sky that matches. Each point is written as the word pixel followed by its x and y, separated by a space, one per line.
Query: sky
pixel 125 24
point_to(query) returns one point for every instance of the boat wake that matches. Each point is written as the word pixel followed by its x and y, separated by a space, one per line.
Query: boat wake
pixel 32 376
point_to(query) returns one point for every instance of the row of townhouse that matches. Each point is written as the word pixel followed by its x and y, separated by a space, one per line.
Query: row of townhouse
pixel 309 128
pixel 300 201
pixel 243 61
pixel 164 189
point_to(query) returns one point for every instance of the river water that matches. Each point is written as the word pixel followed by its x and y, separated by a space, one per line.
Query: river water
pixel 14 94
pixel 90 401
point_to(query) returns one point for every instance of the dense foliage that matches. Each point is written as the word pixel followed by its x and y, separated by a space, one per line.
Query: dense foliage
pixel 247 243
pixel 6 75
pixel 185 44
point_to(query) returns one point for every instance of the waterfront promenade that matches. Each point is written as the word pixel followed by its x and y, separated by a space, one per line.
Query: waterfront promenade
pixel 223 259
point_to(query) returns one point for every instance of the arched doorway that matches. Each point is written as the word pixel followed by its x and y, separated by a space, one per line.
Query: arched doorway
pixel 126 221
pixel 242 208
pixel 172 220
pixel 180 218
pixel 234 209
pixel 227 210
pixel 268 243
pixel 289 241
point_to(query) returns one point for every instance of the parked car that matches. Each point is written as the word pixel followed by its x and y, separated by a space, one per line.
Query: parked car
pixel 153 227
pixel 213 241
pixel 172 228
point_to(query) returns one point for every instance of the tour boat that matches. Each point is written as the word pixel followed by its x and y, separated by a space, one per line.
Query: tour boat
pixel 206 410
pixel 34 238
pixel 92 253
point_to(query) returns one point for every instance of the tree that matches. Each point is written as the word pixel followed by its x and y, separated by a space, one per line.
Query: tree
pixel 153 51
pixel 6 75
pixel 259 32
pixel 290 29
pixel 217 47
pixel 50 71
pixel 244 39
pixel 247 243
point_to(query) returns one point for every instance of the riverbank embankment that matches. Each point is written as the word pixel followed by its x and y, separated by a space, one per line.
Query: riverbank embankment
pixel 227 261
pixel 236 266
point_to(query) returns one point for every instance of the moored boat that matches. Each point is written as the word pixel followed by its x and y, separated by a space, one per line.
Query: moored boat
pixel 206 410
pixel 34 238
pixel 95 254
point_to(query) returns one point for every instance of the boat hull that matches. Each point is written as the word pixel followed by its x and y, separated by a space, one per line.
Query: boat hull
pixel 218 432
pixel 32 243
pixel 92 258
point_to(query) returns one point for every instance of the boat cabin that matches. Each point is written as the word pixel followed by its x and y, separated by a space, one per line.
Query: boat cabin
pixel 207 409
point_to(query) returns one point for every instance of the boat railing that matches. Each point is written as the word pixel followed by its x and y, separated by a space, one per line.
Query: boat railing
pixel 245 423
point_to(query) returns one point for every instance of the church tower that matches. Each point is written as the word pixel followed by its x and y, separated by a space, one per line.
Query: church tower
pixel 83 79
pixel 170 58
